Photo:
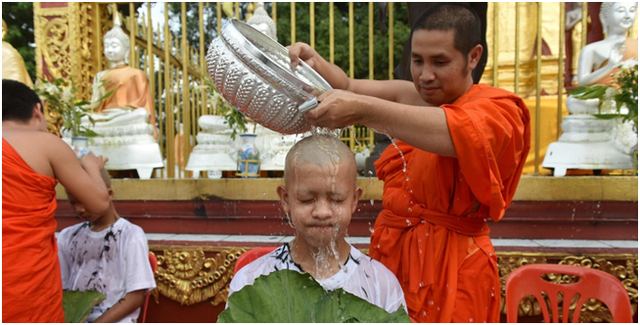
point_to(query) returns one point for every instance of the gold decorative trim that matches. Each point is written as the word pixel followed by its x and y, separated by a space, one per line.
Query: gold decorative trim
pixel 188 276
pixel 192 274
pixel 530 188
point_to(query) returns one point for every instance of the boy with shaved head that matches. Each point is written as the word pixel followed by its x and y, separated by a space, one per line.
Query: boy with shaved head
pixel 107 254
pixel 459 156
pixel 319 196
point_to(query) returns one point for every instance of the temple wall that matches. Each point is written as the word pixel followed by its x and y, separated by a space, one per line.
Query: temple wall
pixel 193 276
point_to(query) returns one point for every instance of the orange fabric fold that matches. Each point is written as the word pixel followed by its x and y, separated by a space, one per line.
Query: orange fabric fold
pixel 130 87
pixel 432 228
pixel 31 281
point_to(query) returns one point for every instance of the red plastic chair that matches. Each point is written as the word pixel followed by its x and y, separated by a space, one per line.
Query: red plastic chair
pixel 252 255
pixel 154 266
pixel 526 280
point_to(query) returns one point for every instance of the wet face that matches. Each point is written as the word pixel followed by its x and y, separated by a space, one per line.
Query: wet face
pixel 114 50
pixel 440 72
pixel 320 201
pixel 623 14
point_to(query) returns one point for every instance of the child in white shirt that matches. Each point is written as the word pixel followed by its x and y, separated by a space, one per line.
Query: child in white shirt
pixel 319 196
pixel 108 254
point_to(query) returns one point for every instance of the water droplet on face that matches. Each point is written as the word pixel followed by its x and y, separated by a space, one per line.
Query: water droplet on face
pixel 378 246
pixel 410 209
pixel 408 222
pixel 430 301
pixel 471 320
pixel 427 234
pixel 424 313
pixel 406 179
pixel 438 309
pixel 410 191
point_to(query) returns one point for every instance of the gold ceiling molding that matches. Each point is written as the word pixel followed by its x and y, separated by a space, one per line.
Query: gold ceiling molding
pixel 189 276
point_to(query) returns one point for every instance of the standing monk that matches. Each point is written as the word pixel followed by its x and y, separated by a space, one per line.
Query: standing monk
pixel 459 159
pixel 32 163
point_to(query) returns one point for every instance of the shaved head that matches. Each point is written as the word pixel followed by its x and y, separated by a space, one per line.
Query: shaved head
pixel 105 177
pixel 320 150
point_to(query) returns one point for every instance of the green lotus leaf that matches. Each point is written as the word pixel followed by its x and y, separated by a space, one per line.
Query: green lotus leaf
pixel 290 297
pixel 77 304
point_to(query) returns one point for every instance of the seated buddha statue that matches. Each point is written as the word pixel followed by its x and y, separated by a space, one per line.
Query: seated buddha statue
pixel 599 60
pixel 130 86
pixel 588 142
pixel 125 120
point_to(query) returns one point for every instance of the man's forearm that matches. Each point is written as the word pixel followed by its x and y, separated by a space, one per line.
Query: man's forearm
pixel 130 302
pixel 424 127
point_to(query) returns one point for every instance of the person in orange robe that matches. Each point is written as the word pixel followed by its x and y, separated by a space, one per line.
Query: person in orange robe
pixel 32 162
pixel 458 162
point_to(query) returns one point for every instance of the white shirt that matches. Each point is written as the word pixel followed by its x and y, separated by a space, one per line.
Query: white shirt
pixel 361 276
pixel 114 261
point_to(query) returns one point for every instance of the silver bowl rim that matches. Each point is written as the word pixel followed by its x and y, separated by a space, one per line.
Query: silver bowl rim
pixel 239 37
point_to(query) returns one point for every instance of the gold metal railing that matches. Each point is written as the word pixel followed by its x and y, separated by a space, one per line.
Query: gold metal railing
pixel 516 34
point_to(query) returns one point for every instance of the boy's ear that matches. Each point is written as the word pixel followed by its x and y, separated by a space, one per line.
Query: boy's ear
pixel 110 191
pixel 284 197
pixel 37 111
pixel 356 198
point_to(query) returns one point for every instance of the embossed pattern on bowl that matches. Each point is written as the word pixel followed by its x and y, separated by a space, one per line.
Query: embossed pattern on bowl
pixel 253 73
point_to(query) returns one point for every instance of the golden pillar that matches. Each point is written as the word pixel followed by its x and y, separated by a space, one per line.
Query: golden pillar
pixel 68 38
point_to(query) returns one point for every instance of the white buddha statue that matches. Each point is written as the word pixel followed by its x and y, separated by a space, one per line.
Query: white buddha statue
pixel 131 97
pixel 263 22
pixel 588 142
pixel 125 120
pixel 599 60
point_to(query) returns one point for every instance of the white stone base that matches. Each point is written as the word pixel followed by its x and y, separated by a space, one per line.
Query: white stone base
pixel 594 155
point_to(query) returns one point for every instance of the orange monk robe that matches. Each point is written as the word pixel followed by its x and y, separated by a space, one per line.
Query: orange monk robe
pixel 131 88
pixel 432 231
pixel 31 281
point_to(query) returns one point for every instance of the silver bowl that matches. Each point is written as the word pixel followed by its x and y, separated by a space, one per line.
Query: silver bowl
pixel 253 73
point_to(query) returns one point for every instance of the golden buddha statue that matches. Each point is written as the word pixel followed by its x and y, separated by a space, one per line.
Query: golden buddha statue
pixel 12 63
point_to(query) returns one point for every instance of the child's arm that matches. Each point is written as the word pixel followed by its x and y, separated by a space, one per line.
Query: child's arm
pixel 130 302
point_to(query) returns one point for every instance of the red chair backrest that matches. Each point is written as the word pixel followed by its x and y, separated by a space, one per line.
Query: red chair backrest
pixel 252 255
pixel 526 280
pixel 153 260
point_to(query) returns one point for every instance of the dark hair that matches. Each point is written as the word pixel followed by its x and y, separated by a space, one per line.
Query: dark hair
pixel 460 18
pixel 18 101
